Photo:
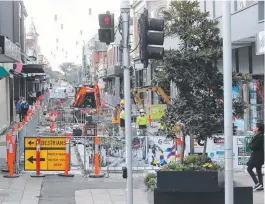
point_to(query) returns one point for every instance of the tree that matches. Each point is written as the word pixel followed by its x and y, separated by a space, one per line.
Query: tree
pixel 193 69
pixel 72 72
pixel 160 78
pixel 53 74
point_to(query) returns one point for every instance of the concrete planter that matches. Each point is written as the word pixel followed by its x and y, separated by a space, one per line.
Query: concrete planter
pixel 190 181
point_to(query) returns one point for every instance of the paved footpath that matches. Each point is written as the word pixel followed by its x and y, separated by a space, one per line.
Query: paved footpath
pixel 53 189
pixel 245 180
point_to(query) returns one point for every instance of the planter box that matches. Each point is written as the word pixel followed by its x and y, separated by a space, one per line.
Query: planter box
pixel 242 195
pixel 150 197
pixel 190 181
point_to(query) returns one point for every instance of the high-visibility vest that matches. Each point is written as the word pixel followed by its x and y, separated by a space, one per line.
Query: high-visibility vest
pixel 160 126
pixel 122 115
pixel 142 120
pixel 116 119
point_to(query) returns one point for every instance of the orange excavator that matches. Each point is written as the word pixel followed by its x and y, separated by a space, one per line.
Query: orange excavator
pixel 87 100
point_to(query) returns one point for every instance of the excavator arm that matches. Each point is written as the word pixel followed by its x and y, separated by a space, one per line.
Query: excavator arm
pixel 136 94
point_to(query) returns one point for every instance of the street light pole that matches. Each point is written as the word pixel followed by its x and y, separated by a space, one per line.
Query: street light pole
pixel 125 17
pixel 228 124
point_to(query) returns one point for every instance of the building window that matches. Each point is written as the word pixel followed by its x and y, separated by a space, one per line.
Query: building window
pixel 241 4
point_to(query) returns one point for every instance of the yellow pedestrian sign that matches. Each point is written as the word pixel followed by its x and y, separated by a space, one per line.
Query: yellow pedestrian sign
pixel 52 153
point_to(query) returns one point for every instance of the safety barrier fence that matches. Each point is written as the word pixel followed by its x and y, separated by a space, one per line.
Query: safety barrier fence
pixel 15 137
pixel 101 153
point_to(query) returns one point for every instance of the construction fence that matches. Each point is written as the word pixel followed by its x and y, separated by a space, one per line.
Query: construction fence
pixel 29 126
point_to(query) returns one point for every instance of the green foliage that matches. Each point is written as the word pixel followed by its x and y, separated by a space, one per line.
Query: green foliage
pixel 240 78
pixel 54 74
pixel 193 69
pixel 150 181
pixel 193 163
pixel 71 71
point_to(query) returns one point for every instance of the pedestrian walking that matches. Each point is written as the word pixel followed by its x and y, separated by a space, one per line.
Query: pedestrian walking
pixel 18 106
pixel 256 159
pixel 24 107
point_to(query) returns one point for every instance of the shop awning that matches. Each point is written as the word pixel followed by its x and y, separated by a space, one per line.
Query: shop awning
pixel 3 72
pixel 33 68
pixel 12 71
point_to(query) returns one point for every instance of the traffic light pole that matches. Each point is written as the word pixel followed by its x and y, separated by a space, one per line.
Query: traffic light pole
pixel 228 124
pixel 125 17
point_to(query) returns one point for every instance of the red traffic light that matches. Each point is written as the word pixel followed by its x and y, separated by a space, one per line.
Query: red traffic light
pixel 107 20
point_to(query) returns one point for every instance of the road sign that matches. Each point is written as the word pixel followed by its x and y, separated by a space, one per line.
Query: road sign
pixel 52 153
pixel 247 140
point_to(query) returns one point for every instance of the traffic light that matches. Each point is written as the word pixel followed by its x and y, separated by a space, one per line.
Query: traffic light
pixel 151 33
pixel 106 31
pixel 234 129
pixel 124 172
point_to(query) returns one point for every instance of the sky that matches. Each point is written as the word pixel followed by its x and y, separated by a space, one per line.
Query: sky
pixel 74 15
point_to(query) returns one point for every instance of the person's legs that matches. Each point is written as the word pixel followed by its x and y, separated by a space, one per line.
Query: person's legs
pixel 258 186
pixel 252 174
pixel 259 174
pixel 20 117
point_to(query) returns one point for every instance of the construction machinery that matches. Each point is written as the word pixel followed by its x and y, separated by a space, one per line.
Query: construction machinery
pixel 87 101
pixel 139 101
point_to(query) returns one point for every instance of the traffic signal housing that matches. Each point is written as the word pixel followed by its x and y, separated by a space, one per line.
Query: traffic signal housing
pixel 106 30
pixel 234 129
pixel 151 34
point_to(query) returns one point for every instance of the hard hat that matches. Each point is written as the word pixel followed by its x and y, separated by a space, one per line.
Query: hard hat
pixel 141 111
pixel 122 102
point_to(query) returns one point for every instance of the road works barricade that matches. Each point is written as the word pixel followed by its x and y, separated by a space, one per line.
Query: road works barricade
pixel 15 137
pixel 148 152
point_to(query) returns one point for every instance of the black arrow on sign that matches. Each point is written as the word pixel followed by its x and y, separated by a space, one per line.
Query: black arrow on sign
pixel 30 142
pixel 31 159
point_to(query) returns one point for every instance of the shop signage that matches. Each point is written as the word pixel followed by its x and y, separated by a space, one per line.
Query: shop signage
pixel 9 52
pixel 260 46
pixel 219 140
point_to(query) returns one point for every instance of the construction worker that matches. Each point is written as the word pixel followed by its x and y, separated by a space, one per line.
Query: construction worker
pixel 142 122
pixel 160 129
pixel 122 120
pixel 122 103
pixel 116 120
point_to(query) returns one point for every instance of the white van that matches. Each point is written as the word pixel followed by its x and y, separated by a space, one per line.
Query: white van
pixel 59 93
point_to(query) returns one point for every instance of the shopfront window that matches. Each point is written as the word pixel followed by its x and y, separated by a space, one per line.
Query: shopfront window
pixel 254 111
pixel 256 103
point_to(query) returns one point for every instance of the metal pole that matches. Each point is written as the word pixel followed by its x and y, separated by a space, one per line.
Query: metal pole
pixel 228 124
pixel 125 14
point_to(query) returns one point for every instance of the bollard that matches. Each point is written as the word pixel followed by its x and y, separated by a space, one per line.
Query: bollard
pixel 7 152
pixel 38 160
pixel 14 136
pixel 96 173
pixel 179 147
pixel 67 158
pixel 149 116
pixel 10 159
